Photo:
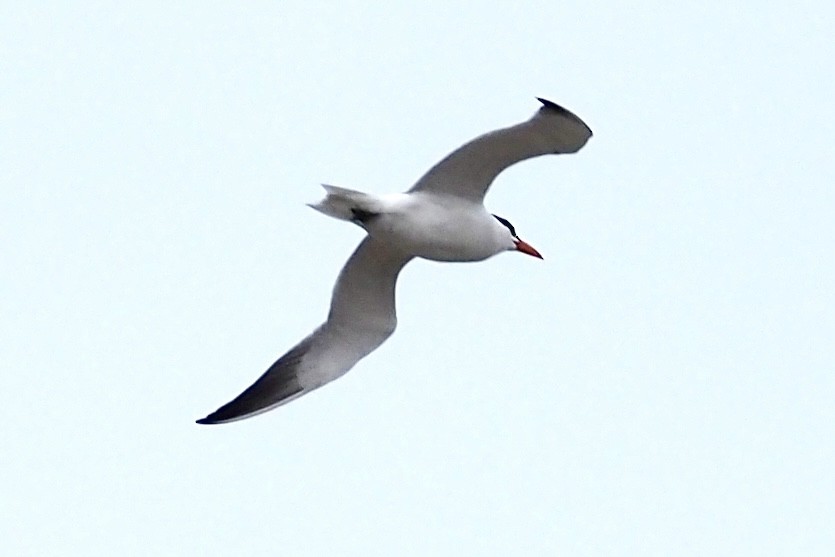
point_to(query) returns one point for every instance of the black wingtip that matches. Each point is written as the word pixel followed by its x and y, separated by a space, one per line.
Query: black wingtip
pixel 205 421
pixel 550 105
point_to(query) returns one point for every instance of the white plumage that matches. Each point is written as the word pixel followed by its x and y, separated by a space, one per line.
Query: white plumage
pixel 442 218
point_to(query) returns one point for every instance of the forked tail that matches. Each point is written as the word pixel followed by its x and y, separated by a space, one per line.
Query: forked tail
pixel 344 204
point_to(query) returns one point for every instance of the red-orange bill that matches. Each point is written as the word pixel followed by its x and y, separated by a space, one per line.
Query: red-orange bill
pixel 525 247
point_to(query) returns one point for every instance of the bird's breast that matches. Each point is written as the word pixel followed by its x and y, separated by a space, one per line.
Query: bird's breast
pixel 438 232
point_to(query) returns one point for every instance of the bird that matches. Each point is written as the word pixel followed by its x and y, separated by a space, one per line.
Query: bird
pixel 441 218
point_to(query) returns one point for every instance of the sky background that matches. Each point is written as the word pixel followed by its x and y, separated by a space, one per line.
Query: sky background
pixel 661 384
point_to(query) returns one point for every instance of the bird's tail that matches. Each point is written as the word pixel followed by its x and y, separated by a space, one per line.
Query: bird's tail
pixel 345 204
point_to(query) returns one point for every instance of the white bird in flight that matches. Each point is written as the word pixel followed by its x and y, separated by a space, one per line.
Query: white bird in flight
pixel 442 218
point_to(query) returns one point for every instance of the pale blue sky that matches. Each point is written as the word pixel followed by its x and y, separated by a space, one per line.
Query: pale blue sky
pixel 661 384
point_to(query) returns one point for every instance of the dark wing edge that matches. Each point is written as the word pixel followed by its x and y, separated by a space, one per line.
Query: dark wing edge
pixel 551 105
pixel 278 385
pixel 367 281
pixel 469 170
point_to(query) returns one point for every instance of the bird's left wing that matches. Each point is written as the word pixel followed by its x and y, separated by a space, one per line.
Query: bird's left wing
pixel 361 318
pixel 468 171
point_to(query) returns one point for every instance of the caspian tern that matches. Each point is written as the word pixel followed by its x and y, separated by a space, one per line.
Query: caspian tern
pixel 442 218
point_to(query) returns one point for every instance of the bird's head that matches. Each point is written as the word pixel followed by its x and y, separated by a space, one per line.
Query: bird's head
pixel 513 242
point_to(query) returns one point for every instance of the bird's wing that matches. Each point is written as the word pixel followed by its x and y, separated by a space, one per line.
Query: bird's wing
pixel 361 318
pixel 468 171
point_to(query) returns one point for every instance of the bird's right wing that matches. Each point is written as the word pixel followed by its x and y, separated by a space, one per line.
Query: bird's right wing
pixel 468 171
pixel 361 318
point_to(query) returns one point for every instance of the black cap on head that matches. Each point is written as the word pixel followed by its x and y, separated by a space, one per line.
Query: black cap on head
pixel 507 224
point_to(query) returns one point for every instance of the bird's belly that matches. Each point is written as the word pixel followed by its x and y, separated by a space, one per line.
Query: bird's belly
pixel 435 239
pixel 448 251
